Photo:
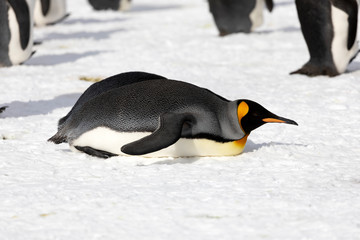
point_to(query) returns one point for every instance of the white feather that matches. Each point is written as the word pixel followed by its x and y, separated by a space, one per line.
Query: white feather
pixel 105 139
pixel 341 55
pixel 56 12
pixel 18 55
pixel 256 16
pixel 124 5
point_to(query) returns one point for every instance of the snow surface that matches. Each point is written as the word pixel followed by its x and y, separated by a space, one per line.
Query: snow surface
pixel 290 183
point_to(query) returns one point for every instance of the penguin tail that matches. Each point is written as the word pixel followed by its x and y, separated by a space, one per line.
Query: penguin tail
pixel 58 138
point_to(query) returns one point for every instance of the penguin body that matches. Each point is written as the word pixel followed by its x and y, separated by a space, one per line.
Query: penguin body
pixel 48 12
pixel 329 28
pixel 117 5
pixel 232 16
pixel 159 117
pixel 16 31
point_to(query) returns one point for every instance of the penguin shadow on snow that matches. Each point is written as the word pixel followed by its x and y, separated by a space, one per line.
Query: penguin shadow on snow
pixel 96 35
pixel 252 147
pixel 25 109
pixel 92 21
pixel 50 60
pixel 149 7
pixel 284 29
pixel 182 160
pixel 249 147
pixel 285 3
pixel 354 66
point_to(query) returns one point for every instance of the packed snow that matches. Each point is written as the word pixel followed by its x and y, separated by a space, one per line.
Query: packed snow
pixel 291 182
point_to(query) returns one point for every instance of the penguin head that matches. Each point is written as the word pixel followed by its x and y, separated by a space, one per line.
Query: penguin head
pixel 252 115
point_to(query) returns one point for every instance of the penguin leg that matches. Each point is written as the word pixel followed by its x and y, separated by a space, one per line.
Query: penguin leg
pixel 95 152
pixel 168 133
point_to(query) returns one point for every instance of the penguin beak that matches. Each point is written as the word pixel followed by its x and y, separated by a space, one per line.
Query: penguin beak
pixel 276 119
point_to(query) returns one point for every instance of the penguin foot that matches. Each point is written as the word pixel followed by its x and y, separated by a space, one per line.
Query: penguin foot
pixel 95 152
pixel 313 70
pixel 3 108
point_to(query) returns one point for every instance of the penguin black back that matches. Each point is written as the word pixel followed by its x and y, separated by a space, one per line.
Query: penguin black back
pixel 111 83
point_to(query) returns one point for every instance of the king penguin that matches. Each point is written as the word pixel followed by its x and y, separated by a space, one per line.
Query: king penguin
pixel 232 16
pixel 117 5
pixel 48 12
pixel 16 31
pixel 158 117
pixel 329 28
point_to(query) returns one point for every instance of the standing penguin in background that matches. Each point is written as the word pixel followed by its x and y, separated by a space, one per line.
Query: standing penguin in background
pixel 232 16
pixel 156 117
pixel 48 12
pixel 16 31
pixel 117 5
pixel 329 28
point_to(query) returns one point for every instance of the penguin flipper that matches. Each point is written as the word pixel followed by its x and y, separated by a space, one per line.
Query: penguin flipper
pixel 168 133
pixel 269 5
pixel 353 20
pixel 95 152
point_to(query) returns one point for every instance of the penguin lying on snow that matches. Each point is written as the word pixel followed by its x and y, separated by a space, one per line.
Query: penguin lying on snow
pixel 16 32
pixel 329 28
pixel 138 113
pixel 232 16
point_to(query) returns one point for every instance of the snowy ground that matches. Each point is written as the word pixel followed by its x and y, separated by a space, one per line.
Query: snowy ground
pixel 290 183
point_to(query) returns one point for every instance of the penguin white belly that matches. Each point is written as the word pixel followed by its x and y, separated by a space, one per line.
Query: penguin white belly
pixel 256 16
pixel 108 140
pixel 56 12
pixel 341 55
pixel 16 54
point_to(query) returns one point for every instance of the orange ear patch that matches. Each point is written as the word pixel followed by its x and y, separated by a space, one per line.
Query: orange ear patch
pixel 243 109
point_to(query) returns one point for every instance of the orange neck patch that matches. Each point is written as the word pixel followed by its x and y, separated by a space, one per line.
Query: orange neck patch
pixel 241 142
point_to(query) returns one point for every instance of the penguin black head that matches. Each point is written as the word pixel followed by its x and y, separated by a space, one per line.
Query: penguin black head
pixel 252 115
